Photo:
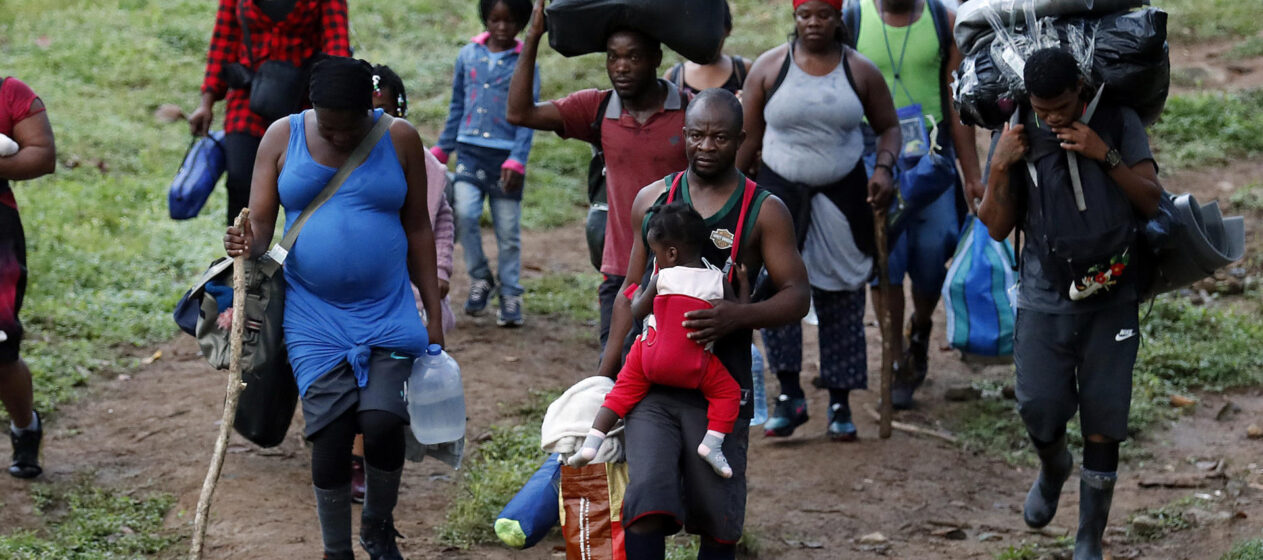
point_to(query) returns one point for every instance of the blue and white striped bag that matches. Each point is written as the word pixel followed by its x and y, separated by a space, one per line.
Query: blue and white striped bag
pixel 978 294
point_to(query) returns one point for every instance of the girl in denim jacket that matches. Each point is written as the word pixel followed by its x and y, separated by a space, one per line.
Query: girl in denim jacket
pixel 492 155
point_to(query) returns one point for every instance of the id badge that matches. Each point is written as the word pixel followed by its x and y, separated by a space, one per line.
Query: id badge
pixel 916 139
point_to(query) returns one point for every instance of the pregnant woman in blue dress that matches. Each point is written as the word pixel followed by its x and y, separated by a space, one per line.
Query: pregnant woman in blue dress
pixel 351 325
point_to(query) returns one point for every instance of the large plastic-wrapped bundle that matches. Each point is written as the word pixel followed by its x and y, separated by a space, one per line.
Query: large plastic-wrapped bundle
pixel 982 96
pixel 974 20
pixel 1133 60
pixel 693 28
pixel 1124 51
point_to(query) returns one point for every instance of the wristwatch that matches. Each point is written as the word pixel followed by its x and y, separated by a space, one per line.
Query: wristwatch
pixel 1113 159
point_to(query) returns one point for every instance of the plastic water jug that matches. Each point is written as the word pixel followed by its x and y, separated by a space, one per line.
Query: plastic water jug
pixel 436 398
pixel 760 393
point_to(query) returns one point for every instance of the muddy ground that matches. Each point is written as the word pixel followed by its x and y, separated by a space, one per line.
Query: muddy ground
pixel 152 429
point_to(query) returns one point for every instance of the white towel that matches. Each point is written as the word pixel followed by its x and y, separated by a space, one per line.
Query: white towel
pixel 569 418
pixel 7 146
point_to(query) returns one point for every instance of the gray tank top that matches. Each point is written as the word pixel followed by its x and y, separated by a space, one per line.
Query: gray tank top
pixel 813 127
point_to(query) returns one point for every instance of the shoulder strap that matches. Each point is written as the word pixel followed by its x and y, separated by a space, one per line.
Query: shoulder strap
pixel 281 250
pixel 846 68
pixel 676 75
pixel 600 117
pixel 739 69
pixel 938 13
pixel 245 33
pixel 780 76
pixel 747 195
pixel 851 18
pixel 675 185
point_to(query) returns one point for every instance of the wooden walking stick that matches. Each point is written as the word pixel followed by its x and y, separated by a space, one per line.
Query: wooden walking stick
pixel 885 322
pixel 233 393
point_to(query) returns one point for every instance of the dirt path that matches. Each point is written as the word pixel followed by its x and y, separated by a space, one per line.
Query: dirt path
pixel 809 498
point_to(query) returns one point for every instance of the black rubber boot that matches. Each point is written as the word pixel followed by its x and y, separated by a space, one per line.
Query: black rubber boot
pixel 1041 500
pixel 377 536
pixel 917 351
pixel 377 522
pixel 26 451
pixel 1096 492
pixel 333 507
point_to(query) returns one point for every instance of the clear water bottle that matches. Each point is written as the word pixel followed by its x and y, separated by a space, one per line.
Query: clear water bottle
pixel 760 393
pixel 436 398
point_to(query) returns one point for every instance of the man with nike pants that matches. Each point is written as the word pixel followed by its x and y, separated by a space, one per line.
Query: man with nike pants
pixel 1077 176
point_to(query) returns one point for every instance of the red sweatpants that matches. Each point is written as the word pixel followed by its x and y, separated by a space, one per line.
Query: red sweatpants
pixel 721 391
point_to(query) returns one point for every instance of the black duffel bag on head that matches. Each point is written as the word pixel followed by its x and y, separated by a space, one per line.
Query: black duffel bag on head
pixel 693 28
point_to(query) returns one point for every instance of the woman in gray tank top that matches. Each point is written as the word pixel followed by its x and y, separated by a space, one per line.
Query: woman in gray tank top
pixel 804 103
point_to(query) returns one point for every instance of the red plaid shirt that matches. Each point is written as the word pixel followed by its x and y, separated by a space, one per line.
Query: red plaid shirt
pixel 313 26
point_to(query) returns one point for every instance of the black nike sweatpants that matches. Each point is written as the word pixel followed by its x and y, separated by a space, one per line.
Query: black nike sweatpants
pixel 1081 361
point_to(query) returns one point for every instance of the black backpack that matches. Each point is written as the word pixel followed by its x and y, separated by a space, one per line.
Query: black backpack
pixel 598 211
pixel 1074 244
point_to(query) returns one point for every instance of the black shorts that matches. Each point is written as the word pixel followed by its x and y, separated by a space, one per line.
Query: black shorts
pixel 331 395
pixel 1069 362
pixel 667 477
pixel 12 282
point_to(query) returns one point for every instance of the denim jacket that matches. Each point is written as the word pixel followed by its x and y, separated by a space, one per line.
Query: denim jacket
pixel 480 94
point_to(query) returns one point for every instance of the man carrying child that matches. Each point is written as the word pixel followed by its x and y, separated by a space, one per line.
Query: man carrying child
pixel 671 486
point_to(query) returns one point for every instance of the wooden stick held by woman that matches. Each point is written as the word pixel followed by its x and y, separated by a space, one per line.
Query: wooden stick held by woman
pixel 230 402
pixel 884 320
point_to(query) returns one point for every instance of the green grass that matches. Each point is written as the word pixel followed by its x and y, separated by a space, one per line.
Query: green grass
pixel 1177 356
pixel 488 481
pixel 1248 48
pixel 495 472
pixel 89 523
pixel 1210 129
pixel 1036 550
pixel 1249 197
pixel 571 295
pixel 1245 550
pixel 1170 519
pixel 1199 20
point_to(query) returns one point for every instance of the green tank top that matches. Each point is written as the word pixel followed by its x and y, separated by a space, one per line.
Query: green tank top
pixel 919 74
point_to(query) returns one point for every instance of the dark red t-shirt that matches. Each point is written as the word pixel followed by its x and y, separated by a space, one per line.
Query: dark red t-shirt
pixel 636 155
pixel 16 99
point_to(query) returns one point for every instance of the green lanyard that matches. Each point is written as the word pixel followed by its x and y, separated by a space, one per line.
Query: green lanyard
pixel 898 67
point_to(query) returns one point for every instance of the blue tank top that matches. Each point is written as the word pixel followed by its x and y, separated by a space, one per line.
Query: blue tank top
pixel 347 284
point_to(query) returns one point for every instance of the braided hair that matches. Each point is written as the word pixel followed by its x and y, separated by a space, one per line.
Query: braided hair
pixel 384 77
pixel 341 83
pixel 678 224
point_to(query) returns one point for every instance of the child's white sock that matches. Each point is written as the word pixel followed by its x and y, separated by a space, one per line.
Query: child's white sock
pixel 587 453
pixel 711 451
pixel 7 146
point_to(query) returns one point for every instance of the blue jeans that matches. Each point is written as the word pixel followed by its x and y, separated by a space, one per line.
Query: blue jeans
pixel 506 215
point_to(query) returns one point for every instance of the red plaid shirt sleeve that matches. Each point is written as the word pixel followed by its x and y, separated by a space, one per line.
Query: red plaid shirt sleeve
pixel 333 22
pixel 224 48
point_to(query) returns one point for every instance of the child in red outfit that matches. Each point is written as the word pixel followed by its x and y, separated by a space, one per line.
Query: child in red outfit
pixel 664 354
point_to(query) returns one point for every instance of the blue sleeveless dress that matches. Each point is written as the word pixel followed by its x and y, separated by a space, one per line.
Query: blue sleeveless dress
pixel 347 284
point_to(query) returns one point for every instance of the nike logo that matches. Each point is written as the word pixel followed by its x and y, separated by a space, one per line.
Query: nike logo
pixel 1124 335
pixel 398 356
